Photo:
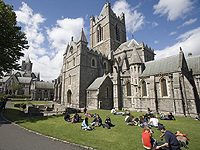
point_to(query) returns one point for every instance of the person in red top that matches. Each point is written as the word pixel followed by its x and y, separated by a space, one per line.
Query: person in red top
pixel 147 140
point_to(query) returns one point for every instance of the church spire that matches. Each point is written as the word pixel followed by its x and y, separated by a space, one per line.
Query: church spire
pixel 82 37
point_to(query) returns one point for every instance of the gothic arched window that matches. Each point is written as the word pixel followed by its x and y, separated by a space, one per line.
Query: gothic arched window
pixel 128 88
pixel 117 31
pixel 144 89
pixel 99 33
pixel 164 87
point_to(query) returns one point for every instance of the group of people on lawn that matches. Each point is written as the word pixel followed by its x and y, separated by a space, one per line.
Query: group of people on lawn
pixel 172 141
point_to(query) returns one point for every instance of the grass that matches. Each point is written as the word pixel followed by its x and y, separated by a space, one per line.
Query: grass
pixel 30 102
pixel 120 137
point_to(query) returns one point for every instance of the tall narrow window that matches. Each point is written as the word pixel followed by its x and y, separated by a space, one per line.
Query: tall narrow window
pixel 144 89
pixel 99 33
pixel 164 87
pixel 67 65
pixel 73 61
pixel 128 88
pixel 93 62
pixel 117 32
pixel 69 80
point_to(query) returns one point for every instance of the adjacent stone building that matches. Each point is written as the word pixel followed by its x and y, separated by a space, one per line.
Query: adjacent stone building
pixel 20 80
pixel 113 72
pixel 26 82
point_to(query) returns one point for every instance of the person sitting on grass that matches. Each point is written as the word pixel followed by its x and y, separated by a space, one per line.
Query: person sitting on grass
pixel 97 121
pixel 108 123
pixel 85 125
pixel 143 122
pixel 153 122
pixel 149 112
pixel 147 140
pixel 171 143
pixel 67 117
pixel 75 118
pixel 129 120
pixel 168 116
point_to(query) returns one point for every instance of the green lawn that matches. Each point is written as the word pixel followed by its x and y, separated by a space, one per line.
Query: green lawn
pixel 120 137
pixel 31 102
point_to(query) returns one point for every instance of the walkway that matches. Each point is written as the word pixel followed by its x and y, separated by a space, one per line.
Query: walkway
pixel 13 137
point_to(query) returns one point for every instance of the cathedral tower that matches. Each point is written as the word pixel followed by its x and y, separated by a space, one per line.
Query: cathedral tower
pixel 108 31
pixel 27 65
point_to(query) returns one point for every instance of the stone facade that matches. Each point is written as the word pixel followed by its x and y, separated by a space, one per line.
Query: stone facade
pixel 126 69
pixel 41 90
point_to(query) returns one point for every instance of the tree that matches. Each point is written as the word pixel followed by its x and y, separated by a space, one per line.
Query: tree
pixel 14 87
pixel 12 39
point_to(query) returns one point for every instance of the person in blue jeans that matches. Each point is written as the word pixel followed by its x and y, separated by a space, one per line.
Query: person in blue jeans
pixel 171 143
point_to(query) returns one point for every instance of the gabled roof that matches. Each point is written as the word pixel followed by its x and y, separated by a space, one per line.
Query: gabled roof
pixel 161 66
pixel 44 85
pixel 24 79
pixel 97 83
pixel 127 45
pixel 194 64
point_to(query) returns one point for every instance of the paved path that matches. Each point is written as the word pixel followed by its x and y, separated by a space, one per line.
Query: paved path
pixel 13 137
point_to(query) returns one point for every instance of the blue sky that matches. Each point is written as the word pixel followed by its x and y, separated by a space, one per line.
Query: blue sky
pixel 164 25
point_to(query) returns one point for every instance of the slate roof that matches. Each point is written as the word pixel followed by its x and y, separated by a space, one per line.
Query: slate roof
pixel 194 64
pixel 135 58
pixel 97 83
pixel 24 79
pixel 161 66
pixel 43 85
pixel 127 45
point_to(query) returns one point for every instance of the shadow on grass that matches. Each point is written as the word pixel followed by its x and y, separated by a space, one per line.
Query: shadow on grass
pixel 13 114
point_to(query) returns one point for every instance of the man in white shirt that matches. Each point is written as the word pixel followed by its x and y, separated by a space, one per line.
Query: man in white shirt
pixel 153 121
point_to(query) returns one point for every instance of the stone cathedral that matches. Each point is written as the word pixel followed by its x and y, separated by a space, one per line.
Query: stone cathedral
pixel 113 72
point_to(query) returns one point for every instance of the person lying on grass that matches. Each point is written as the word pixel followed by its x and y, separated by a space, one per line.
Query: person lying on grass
pixel 85 125
pixel 168 116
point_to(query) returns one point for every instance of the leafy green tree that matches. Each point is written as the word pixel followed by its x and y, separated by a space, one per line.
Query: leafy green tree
pixel 12 39
pixel 15 86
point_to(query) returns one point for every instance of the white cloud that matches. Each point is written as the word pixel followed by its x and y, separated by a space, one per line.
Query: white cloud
pixel 154 24
pixel 64 30
pixel 156 41
pixel 172 33
pixel 191 21
pixel 47 60
pixel 189 42
pixel 134 20
pixel 173 8
pixel 32 27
